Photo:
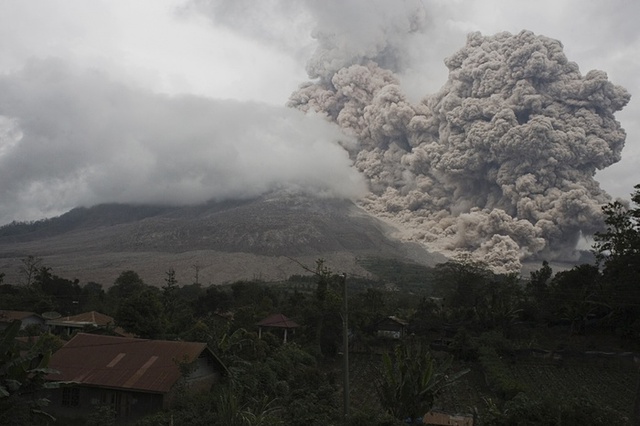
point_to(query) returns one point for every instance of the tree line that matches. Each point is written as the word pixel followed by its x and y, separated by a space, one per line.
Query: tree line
pixel 480 315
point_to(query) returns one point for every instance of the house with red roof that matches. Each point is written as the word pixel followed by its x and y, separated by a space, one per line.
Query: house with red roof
pixel 135 377
pixel 86 320
pixel 25 318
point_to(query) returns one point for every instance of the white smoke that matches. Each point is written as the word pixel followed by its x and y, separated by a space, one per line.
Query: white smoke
pixel 70 138
pixel 500 162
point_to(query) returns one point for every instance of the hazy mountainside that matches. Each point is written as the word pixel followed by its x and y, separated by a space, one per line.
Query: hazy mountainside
pixel 226 240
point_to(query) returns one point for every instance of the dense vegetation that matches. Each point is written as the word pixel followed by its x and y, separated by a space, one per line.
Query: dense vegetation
pixel 528 343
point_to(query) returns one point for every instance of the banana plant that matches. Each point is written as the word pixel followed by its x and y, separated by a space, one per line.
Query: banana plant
pixel 410 380
pixel 22 380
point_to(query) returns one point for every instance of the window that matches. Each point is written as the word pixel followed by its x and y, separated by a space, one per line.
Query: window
pixel 70 397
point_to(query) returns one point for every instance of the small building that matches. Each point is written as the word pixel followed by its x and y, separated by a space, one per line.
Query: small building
pixel 135 377
pixel 439 418
pixel 277 321
pixel 391 328
pixel 86 322
pixel 26 319
pixel 82 322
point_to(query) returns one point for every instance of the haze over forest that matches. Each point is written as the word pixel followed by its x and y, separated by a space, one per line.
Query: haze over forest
pixel 495 153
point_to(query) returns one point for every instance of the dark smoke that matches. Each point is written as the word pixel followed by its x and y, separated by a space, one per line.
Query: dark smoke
pixel 500 162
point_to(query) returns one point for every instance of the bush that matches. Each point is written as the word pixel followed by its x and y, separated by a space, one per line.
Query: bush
pixel 498 375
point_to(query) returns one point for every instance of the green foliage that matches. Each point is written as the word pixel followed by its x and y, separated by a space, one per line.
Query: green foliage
pixel 497 374
pixel 410 381
pixel 273 383
pixel 408 276
pixel 621 239
pixel 29 269
pixel 142 314
pixel 539 281
pixel 365 308
pixel 21 378
pixel 570 411
pixel 232 410
pixel 48 343
pixel 102 415
pixel 212 300
pixel 576 294
pixel 460 281
pixel 126 285
pixel 618 250
pixel 463 346
pixel 321 318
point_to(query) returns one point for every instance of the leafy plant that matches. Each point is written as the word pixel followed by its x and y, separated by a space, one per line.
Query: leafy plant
pixel 498 375
pixel 410 381
pixel 22 377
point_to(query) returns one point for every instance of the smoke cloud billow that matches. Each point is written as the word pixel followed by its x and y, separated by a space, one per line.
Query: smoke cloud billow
pixel 500 162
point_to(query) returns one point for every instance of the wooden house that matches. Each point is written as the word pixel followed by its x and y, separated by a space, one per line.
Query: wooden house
pixel 25 318
pixel 391 328
pixel 135 377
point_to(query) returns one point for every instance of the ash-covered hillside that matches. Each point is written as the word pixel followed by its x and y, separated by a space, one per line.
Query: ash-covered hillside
pixel 262 237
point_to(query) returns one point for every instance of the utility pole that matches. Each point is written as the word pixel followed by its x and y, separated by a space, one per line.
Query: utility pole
pixel 345 348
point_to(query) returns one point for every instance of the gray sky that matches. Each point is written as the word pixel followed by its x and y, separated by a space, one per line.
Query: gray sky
pixel 182 101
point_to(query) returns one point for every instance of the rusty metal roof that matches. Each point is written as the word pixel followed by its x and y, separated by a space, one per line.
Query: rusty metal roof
pixel 85 318
pixel 8 316
pixel 93 317
pixel 121 362
pixel 278 320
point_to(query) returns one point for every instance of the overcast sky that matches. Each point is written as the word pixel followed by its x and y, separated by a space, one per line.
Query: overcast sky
pixel 182 101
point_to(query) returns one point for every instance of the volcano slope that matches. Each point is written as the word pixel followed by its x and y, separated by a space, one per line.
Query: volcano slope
pixel 266 238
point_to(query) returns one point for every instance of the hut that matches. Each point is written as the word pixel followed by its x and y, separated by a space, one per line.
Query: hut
pixel 277 321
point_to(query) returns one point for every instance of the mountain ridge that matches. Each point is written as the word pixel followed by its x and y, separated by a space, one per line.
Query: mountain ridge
pixel 265 237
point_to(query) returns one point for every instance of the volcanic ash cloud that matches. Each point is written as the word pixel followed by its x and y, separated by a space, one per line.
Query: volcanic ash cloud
pixel 500 162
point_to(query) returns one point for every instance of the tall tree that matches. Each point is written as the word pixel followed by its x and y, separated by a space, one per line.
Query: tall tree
pixel 29 268
pixel 169 293
pixel 142 315
pixel 618 250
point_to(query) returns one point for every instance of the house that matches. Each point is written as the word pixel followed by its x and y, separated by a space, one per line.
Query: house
pixel 277 321
pixel 26 319
pixel 68 325
pixel 135 377
pixel 391 327
pixel 439 418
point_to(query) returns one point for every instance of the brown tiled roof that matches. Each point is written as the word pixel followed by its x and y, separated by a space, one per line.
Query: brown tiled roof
pixel 7 316
pixel 278 320
pixel 121 362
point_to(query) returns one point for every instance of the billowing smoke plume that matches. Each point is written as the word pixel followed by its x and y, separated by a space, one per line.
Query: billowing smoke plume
pixel 500 162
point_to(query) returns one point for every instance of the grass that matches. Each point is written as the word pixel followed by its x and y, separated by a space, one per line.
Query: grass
pixel 607 382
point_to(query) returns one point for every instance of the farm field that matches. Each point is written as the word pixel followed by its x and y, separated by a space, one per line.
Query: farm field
pixel 607 382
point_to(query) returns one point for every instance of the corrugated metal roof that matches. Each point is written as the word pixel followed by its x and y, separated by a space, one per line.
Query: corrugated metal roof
pixel 121 362
pixel 278 320
pixel 398 320
pixel 7 316
pixel 91 317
